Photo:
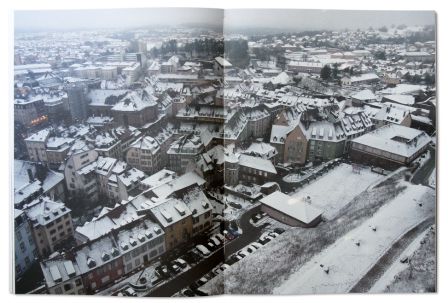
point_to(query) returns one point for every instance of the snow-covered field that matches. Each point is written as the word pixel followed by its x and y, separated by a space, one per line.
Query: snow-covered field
pixel 348 262
pixel 334 190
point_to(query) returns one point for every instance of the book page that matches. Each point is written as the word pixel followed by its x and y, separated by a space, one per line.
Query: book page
pixel 330 168
pixel 118 152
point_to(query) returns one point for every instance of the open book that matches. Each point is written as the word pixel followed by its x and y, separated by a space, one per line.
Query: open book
pixel 190 152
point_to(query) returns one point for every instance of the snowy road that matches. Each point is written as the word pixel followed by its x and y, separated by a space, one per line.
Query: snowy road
pixel 347 262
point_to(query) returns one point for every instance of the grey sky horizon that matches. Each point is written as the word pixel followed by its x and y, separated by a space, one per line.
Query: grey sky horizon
pixel 238 18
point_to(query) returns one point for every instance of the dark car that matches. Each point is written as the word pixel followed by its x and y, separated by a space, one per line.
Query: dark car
pixel 279 230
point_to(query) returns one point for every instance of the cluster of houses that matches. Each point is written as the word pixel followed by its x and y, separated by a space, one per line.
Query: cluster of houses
pixel 145 138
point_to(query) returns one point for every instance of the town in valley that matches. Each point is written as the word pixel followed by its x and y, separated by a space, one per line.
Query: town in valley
pixel 188 161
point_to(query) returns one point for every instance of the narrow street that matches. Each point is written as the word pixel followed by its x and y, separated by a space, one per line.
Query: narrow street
pixel 423 173
pixel 250 234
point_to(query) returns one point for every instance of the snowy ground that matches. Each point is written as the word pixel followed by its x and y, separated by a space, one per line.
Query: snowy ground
pixel 232 213
pixel 397 267
pixel 334 190
pixel 348 262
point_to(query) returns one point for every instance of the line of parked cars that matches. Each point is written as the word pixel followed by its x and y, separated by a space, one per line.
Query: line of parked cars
pixel 254 246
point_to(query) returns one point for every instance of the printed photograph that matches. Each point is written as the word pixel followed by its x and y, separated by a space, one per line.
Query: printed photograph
pixel 186 152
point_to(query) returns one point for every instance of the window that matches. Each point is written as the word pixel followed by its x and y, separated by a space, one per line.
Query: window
pixel 67 287
pixel 78 282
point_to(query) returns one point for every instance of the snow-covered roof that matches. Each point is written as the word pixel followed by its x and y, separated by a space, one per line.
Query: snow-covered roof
pixel 223 62
pixel 170 212
pixel 161 177
pixel 403 89
pixel 363 95
pixel 297 208
pixel 59 270
pixel 134 101
pixel 402 99
pixel 281 78
pixel 364 77
pixel 396 139
pixel 257 163
pixel 40 136
pixel 184 181
pixel 45 210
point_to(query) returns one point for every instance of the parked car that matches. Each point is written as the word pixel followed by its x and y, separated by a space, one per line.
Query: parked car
pixel 211 246
pixel 130 292
pixel 215 241
pixel 203 250
pixel 181 262
pixel 243 253
pixel 256 245
pixel 162 271
pixel 220 237
pixel 174 268
pixel 187 292
pixel 224 266
pixel 273 234
pixel 228 235
pixel 202 281
pixel 279 230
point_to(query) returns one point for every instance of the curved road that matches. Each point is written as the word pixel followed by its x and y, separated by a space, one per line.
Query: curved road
pixel 422 174
pixel 378 270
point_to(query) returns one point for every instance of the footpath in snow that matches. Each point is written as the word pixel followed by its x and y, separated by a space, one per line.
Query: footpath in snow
pixel 397 267
pixel 352 255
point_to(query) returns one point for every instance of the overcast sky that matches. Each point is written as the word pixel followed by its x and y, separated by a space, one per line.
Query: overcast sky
pixel 267 18
pixel 325 19
pixel 113 18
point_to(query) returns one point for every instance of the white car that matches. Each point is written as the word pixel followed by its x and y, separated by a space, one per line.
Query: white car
pixel 273 234
pixel 215 241
pixel 220 237
pixel 225 266
pixel 181 262
pixel 130 292
pixel 203 250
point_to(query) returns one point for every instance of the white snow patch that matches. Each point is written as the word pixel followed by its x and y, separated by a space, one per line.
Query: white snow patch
pixel 334 190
